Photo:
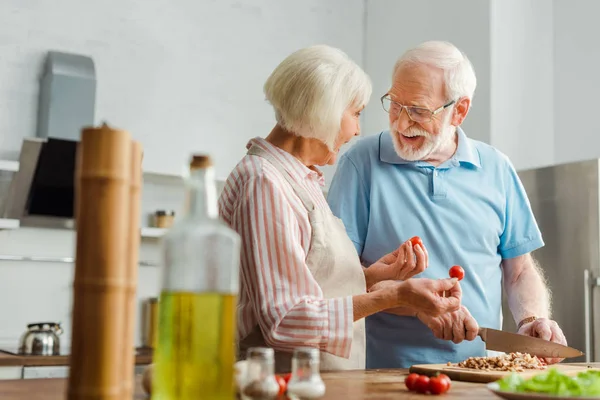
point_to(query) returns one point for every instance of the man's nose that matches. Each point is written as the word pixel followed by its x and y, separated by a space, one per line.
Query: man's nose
pixel 402 120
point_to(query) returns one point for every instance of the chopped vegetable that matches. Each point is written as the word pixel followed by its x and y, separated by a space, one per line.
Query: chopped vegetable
pixel 553 382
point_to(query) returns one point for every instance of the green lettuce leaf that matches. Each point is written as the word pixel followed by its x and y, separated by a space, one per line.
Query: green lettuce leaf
pixel 555 383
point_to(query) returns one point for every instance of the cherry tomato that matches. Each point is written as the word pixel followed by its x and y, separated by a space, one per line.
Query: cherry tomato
pixel 446 377
pixel 438 385
pixel 282 384
pixel 416 240
pixel 410 381
pixel 422 384
pixel 287 377
pixel 457 272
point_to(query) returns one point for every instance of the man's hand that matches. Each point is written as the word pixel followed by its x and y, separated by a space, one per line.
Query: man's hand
pixel 456 326
pixel 423 295
pixel 546 329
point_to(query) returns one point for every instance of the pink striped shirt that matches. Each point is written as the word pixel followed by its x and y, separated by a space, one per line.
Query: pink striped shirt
pixel 277 290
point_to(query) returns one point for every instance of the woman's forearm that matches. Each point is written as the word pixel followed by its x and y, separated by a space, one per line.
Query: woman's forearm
pixel 371 303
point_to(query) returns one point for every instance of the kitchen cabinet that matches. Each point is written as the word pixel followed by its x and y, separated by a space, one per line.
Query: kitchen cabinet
pixel 45 372
pixel 53 371
pixel 13 372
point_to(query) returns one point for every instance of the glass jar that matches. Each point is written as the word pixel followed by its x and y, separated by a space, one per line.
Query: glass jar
pixel 260 382
pixel 164 219
pixel 306 382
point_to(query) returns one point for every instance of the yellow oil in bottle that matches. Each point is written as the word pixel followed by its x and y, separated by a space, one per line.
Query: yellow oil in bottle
pixel 196 351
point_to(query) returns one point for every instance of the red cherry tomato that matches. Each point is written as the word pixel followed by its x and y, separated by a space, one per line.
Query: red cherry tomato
pixel 282 384
pixel 287 377
pixel 416 240
pixel 438 385
pixel 446 377
pixel 457 272
pixel 410 381
pixel 422 384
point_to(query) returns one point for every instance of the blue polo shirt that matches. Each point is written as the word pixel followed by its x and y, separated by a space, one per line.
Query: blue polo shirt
pixel 471 211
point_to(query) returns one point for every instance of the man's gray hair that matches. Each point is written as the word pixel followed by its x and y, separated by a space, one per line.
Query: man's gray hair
pixel 459 75
pixel 312 88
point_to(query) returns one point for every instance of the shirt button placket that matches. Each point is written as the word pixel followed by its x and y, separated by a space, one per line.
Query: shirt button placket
pixel 437 185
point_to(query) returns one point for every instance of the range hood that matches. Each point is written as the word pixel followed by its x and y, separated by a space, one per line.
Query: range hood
pixel 42 191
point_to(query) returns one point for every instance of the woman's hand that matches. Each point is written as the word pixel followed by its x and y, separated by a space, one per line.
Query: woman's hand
pixel 423 295
pixel 403 263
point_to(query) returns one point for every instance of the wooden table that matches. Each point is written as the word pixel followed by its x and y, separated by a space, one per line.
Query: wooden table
pixel 347 385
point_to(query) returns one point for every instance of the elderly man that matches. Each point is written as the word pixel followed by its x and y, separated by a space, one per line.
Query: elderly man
pixel 424 177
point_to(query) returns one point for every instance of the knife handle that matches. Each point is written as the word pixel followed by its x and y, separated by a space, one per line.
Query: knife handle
pixel 587 304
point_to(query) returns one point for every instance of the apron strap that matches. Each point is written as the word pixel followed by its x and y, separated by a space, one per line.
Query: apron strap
pixel 300 191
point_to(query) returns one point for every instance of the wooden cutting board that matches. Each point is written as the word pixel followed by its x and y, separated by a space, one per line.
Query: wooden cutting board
pixel 473 375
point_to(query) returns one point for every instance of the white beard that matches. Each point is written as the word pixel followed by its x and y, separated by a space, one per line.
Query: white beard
pixel 431 143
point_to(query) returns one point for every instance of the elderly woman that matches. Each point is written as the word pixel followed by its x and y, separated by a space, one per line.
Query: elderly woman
pixel 302 283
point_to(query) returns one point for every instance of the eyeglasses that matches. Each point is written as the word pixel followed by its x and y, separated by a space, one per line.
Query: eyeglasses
pixel 417 114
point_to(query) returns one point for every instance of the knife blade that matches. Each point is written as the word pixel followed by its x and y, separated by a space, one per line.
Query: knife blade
pixel 512 342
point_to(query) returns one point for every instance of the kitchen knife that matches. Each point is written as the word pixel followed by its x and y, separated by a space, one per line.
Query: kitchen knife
pixel 512 342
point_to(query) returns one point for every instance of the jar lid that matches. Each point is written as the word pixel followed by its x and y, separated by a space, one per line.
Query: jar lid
pixel 162 213
pixel 200 161
pixel 306 353
pixel 41 325
pixel 265 353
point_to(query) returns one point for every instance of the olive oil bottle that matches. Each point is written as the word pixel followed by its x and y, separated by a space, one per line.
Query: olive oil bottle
pixel 195 354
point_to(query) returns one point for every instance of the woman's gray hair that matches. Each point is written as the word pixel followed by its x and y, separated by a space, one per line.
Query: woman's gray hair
pixel 312 88
pixel 459 75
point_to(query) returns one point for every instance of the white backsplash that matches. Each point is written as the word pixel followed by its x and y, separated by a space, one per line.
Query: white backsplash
pixel 42 291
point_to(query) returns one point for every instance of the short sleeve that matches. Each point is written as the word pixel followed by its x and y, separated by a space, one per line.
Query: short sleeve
pixel 521 234
pixel 349 200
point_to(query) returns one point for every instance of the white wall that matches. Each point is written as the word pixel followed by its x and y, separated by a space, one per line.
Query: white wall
pixel 522 101
pixel 180 75
pixel 393 26
pixel 576 79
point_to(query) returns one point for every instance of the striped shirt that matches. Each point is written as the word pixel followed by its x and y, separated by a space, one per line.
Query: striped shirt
pixel 277 290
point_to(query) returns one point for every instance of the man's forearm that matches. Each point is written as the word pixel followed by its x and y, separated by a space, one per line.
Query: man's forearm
pixel 526 289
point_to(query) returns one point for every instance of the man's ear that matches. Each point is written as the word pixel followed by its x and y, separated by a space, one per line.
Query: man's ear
pixel 461 109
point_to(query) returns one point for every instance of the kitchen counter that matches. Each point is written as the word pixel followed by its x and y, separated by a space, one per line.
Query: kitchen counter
pixel 347 385
pixel 143 357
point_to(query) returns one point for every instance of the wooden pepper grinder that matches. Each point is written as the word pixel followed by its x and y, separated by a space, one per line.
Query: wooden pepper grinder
pixel 103 207
pixel 132 271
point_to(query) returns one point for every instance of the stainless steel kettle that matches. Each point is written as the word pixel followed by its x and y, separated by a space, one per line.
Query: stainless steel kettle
pixel 41 339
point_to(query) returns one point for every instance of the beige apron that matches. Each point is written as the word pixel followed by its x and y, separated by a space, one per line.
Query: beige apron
pixel 336 267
